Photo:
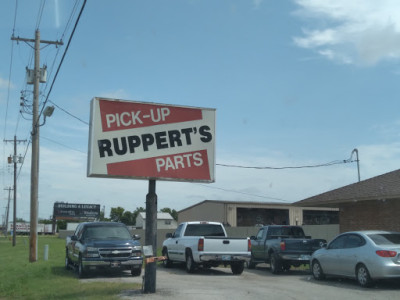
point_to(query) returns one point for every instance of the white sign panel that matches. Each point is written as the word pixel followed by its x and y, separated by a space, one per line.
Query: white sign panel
pixel 141 140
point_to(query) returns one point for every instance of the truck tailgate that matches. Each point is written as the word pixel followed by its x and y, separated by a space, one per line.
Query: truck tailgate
pixel 302 245
pixel 225 245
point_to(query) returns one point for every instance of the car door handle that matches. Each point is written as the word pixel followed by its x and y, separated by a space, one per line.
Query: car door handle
pixel 226 242
pixel 176 242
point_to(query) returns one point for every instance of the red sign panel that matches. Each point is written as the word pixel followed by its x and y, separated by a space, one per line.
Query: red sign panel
pixel 151 141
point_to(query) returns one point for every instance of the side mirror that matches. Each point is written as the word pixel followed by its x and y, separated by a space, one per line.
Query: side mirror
pixel 136 237
pixel 169 235
pixel 253 237
pixel 74 238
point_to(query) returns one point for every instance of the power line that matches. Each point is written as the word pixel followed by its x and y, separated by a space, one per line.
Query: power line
pixel 68 113
pixel 337 162
pixel 62 60
pixel 243 193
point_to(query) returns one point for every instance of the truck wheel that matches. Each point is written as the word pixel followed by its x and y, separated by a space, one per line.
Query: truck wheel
pixel 67 261
pixel 276 266
pixel 251 264
pixel 363 277
pixel 81 269
pixel 166 263
pixel 237 267
pixel 190 264
pixel 136 271
pixel 316 270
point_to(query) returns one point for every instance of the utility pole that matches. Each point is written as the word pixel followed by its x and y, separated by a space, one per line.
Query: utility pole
pixel 35 143
pixel 15 159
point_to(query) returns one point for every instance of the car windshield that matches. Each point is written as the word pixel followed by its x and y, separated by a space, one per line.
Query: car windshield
pixel 107 232
pixel 385 238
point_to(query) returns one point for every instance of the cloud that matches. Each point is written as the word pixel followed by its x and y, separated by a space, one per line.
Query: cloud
pixel 257 3
pixel 363 32
pixel 4 84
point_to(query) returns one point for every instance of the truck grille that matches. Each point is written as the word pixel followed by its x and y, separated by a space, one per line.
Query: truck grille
pixel 115 253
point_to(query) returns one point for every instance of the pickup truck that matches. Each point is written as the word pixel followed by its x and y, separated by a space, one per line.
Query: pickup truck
pixel 282 247
pixel 106 245
pixel 205 244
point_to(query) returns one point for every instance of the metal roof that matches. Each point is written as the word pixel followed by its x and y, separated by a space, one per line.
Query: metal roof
pixel 382 187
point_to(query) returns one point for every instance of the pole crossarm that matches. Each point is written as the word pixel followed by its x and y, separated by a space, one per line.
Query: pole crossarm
pixel 18 39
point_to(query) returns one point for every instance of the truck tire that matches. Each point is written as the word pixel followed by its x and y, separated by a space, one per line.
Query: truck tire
pixel 251 264
pixel 81 269
pixel 136 271
pixel 237 267
pixel 276 265
pixel 166 263
pixel 190 264
pixel 67 260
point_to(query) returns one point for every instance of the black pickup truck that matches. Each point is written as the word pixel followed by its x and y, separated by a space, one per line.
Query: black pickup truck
pixel 282 246
pixel 105 245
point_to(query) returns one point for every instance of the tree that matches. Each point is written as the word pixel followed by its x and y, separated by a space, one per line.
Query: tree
pixel 172 212
pixel 116 214
pixel 127 218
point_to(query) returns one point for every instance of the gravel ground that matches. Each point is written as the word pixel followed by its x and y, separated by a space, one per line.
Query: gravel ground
pixel 220 283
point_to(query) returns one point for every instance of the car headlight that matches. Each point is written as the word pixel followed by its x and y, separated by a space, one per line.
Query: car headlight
pixel 91 252
pixel 137 251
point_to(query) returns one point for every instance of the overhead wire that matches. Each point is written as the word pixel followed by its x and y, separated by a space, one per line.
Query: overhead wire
pixel 62 60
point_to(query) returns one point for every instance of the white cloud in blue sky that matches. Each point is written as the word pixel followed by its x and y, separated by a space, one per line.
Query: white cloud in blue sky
pixel 352 32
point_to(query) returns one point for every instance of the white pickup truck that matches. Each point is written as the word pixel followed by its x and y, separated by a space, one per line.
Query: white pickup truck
pixel 205 244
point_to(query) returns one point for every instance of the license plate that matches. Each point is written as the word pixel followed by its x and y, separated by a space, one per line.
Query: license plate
pixel 115 264
pixel 226 257
pixel 305 257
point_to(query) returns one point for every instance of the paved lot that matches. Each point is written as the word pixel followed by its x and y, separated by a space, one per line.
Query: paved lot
pixel 219 283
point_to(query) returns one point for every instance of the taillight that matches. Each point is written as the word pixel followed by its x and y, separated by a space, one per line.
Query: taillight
pixel 283 246
pixel 200 245
pixel 249 245
pixel 386 253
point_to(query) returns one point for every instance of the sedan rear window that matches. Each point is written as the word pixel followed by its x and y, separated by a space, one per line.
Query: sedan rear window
pixel 385 238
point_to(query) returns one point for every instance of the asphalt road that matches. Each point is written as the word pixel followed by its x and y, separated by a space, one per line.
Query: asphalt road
pixel 220 283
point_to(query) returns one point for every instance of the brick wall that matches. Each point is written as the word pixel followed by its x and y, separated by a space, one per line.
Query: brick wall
pixel 370 215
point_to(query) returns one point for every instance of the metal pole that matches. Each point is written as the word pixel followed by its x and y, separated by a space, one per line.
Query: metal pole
pixel 35 155
pixel 151 237
pixel 358 162
pixel 15 193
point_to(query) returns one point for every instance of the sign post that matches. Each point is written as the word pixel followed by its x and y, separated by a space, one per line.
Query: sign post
pixel 130 139
pixel 151 237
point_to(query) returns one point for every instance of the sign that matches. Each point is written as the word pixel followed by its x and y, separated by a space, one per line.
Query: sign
pixel 70 211
pixel 129 139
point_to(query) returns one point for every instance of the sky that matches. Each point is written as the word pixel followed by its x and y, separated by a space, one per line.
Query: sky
pixel 295 83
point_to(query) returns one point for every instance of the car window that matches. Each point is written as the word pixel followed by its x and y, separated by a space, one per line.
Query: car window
pixel 338 243
pixel 204 230
pixel 385 238
pixel 178 230
pixel 78 228
pixel 260 234
pixel 79 231
pixel 353 241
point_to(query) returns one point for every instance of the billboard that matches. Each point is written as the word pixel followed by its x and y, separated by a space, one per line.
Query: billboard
pixel 73 211
pixel 141 140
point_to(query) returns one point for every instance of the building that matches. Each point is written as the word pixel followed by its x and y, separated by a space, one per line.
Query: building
pixel 366 205
pixel 245 214
pixel 164 221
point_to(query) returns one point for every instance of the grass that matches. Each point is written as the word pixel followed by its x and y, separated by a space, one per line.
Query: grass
pixel 20 279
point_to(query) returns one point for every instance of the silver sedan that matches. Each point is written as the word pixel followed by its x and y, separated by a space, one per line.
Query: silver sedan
pixel 362 255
